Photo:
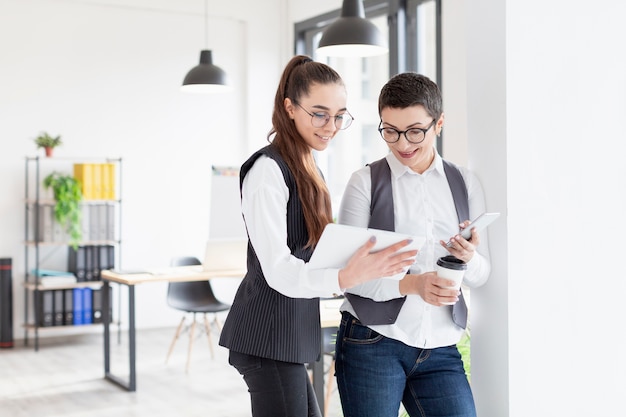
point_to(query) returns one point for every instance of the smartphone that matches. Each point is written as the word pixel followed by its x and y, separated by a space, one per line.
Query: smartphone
pixel 479 223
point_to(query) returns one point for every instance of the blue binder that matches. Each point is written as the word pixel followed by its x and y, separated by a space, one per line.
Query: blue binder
pixel 87 306
pixel 78 306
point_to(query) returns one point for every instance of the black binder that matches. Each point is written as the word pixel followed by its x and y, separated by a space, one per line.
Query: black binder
pixel 68 306
pixel 58 304
pixel 89 266
pixel 76 263
pixel 106 255
pixel 44 310
pixel 96 265
pixel 96 305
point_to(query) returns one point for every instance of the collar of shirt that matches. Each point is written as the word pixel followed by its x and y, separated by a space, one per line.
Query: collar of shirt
pixel 398 169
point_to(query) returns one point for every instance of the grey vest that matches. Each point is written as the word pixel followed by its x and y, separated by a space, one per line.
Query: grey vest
pixel 263 322
pixel 372 312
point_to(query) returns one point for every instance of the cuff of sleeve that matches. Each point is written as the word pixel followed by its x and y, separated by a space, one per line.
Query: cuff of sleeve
pixel 396 287
pixel 475 268
pixel 331 281
pixel 473 264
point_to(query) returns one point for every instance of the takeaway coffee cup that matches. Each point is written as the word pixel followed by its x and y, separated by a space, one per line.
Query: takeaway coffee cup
pixel 451 268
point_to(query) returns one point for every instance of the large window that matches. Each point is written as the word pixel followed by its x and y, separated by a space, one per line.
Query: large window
pixel 424 38
pixel 412 29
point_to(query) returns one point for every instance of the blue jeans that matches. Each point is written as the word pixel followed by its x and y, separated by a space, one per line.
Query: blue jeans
pixel 375 373
pixel 277 389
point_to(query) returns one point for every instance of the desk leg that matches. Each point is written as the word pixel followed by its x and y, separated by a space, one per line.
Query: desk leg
pixel 131 338
pixel 131 384
pixel 106 319
pixel 318 376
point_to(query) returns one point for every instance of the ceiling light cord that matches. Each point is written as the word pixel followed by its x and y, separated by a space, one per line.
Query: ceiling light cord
pixel 206 77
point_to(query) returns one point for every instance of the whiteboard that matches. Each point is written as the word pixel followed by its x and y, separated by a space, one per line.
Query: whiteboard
pixel 225 219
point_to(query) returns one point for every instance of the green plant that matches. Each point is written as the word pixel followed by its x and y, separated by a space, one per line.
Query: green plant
pixel 67 195
pixel 464 349
pixel 44 140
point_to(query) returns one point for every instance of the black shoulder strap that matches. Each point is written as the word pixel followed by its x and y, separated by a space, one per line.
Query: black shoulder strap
pixel 381 206
pixel 459 190
pixel 461 203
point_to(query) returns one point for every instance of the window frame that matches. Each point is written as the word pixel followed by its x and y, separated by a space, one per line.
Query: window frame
pixel 403 39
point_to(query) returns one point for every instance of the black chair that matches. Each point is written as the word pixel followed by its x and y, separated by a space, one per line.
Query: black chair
pixel 193 297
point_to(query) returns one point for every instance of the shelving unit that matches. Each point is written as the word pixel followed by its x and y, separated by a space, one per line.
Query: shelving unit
pixel 49 249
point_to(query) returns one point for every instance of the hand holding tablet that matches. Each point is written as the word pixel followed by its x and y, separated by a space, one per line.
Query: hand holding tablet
pixel 339 242
pixel 479 223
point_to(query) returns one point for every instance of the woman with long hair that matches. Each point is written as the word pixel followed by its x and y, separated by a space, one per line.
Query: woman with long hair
pixel 273 327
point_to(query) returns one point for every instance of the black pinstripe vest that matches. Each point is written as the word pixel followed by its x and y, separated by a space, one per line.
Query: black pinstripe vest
pixel 262 321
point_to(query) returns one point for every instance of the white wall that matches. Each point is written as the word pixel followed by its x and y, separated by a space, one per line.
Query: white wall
pixel 545 100
pixel 486 116
pixel 105 75
pixel 534 96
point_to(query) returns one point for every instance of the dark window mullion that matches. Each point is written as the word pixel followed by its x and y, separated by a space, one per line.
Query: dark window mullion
pixel 412 45
pixel 396 19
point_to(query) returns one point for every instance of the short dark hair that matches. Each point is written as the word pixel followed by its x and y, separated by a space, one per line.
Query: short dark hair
pixel 410 89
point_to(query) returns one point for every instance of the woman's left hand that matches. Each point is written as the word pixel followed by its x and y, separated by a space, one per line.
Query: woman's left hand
pixel 461 248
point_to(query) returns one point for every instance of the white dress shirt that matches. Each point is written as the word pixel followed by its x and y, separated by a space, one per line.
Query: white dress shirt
pixel 264 207
pixel 423 206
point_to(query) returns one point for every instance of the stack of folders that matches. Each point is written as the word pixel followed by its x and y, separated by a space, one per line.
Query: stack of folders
pixel 98 223
pixel 66 307
pixel 86 262
pixel 48 229
pixel 49 277
pixel 97 180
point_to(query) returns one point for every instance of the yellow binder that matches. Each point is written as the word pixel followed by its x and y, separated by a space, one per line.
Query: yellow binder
pixel 84 175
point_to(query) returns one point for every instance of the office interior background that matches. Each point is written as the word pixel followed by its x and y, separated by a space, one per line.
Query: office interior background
pixel 534 99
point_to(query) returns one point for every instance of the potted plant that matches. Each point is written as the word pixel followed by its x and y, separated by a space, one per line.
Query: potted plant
pixel 67 195
pixel 44 140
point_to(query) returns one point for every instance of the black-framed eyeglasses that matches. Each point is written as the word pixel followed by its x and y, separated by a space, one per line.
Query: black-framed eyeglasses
pixel 321 118
pixel 414 135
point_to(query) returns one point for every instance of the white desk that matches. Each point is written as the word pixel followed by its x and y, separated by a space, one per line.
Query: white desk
pixel 173 274
pixel 329 315
pixel 329 312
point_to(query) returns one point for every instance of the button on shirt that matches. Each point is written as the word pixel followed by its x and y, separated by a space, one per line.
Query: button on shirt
pixel 423 206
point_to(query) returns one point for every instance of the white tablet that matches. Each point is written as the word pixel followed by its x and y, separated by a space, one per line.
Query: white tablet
pixel 339 242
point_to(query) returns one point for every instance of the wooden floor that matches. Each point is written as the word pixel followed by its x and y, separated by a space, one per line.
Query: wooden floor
pixel 65 378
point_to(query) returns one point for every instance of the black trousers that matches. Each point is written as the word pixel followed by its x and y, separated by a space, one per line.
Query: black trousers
pixel 277 389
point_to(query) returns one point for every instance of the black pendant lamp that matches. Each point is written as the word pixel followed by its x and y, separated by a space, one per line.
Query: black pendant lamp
pixel 352 34
pixel 205 77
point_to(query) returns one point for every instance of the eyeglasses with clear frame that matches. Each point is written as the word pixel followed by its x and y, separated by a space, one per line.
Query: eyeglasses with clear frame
pixel 414 135
pixel 321 118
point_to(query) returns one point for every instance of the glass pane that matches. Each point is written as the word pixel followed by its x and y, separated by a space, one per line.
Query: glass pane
pixel 360 143
pixel 426 32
